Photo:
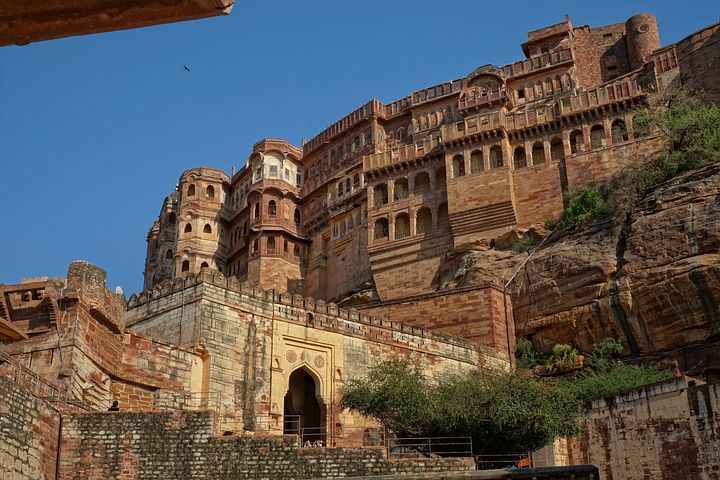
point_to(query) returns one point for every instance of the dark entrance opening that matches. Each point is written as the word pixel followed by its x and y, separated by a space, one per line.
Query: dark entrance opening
pixel 304 414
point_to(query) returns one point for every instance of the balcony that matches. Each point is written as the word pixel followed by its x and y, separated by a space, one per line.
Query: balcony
pixel 473 125
pixel 397 155
pixel 607 94
pixel 475 100
pixel 537 63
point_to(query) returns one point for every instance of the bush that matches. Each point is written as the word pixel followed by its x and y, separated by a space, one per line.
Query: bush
pixel 606 354
pixel 563 358
pixel 619 378
pixel 502 412
pixel 526 354
pixel 585 206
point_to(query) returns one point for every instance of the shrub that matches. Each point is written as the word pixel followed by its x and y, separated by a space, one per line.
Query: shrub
pixel 526 354
pixel 605 354
pixel 502 412
pixel 619 378
pixel 585 206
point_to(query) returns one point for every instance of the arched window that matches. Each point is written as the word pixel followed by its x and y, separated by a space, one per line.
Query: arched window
pixel 204 265
pixel 185 266
pixel 401 188
pixel 381 195
pixel 381 229
pixel 255 246
pixel 538 153
pixel 210 191
pixel 458 166
pixel 272 208
pixel 285 246
pixel 169 255
pixel 402 226
pixel 422 182
pixel 442 218
pixel 640 128
pixel 423 220
pixel 557 150
pixel 496 157
pixel 597 136
pixel 576 141
pixel 296 250
pixel 191 190
pixel 440 174
pixel 271 244
pixel 476 162
pixel 188 228
pixel 348 188
pixel 296 216
pixel 257 210
pixel 519 158
pixel 341 189
pixel 207 228
pixel 619 131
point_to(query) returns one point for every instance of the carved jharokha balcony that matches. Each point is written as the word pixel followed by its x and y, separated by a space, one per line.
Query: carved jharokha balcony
pixel 397 155
pixel 537 63
pixel 576 102
pixel 25 21
pixel 476 100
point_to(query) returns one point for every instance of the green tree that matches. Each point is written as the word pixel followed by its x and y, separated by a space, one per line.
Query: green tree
pixel 502 412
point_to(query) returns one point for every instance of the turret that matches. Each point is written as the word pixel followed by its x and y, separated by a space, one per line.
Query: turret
pixel 643 38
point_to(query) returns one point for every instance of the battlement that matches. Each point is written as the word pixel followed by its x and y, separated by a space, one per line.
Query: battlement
pixel 313 313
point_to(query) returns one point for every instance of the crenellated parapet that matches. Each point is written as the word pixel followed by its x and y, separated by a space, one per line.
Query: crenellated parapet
pixel 310 312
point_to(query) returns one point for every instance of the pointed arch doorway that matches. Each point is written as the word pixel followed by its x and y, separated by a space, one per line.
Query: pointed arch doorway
pixel 304 410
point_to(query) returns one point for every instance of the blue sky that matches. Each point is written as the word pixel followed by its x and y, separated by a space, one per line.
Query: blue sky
pixel 97 129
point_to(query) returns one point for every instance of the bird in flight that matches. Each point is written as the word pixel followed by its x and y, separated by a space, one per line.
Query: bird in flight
pixel 186 68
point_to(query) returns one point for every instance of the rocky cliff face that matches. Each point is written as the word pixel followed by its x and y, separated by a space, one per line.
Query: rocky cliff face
pixel 653 282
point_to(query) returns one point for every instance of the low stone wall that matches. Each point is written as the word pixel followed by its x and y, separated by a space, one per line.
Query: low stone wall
pixel 184 445
pixel 29 430
pixel 668 430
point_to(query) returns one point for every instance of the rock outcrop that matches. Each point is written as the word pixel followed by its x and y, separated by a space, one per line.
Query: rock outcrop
pixel 653 283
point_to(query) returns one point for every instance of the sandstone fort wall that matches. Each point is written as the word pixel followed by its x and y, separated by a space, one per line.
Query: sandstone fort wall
pixel 668 430
pixel 132 446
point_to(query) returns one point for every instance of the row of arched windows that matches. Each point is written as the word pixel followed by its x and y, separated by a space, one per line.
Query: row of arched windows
pixel 618 134
pixel 477 161
pixel 273 211
pixel 206 229
pixel 423 223
pixel 421 183
pixel 209 191
pixel 272 248
pixel 185 266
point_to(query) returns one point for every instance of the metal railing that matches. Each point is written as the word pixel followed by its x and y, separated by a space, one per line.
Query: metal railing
pixel 430 446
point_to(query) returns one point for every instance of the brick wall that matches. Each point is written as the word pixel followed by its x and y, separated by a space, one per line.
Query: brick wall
pixel 128 446
pixel 699 59
pixel 668 430
pixel 601 164
pixel 476 314
pixel 97 365
pixel 28 434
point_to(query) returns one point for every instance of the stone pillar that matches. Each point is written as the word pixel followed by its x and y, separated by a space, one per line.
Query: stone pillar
pixel 486 156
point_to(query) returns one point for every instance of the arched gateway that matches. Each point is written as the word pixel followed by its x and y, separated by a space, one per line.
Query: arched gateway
pixel 304 410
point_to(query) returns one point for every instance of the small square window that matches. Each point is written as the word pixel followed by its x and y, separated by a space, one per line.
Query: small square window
pixel 521 93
